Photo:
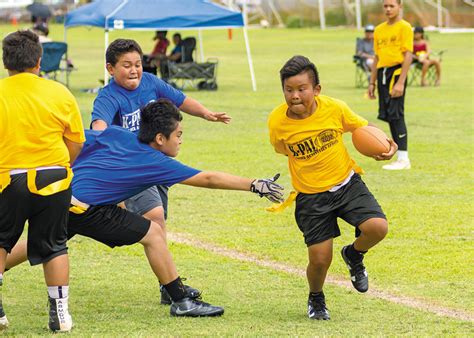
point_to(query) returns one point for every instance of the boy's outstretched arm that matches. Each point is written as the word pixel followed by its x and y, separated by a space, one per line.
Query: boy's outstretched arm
pixel 193 107
pixel 219 180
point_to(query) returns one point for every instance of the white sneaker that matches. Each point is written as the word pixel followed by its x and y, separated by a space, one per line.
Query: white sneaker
pixel 3 323
pixel 59 318
pixel 398 165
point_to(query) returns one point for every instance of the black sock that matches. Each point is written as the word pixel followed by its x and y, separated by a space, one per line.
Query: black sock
pixel 316 295
pixel 176 289
pixel 354 255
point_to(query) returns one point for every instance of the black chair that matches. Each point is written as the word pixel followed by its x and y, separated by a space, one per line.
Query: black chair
pixel 54 61
pixel 201 76
pixel 362 71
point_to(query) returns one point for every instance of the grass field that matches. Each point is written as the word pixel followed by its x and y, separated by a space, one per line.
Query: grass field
pixel 428 255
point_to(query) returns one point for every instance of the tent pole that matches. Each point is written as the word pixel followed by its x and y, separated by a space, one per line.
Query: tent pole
pixel 249 57
pixel 247 46
pixel 201 48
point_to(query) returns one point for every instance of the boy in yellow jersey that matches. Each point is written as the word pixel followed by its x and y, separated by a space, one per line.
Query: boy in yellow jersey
pixel 41 135
pixel 393 46
pixel 308 129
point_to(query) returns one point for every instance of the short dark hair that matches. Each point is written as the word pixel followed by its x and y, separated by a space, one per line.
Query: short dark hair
pixel 21 50
pixel 119 47
pixel 177 35
pixel 158 117
pixel 296 65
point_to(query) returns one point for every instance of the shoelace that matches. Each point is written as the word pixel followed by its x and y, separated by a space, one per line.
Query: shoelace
pixel 318 305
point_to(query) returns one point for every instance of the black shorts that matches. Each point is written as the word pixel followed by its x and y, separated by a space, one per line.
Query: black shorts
pixel 109 224
pixel 316 214
pixel 47 216
pixel 390 109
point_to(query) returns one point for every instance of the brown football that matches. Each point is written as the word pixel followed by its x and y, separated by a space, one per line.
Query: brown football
pixel 370 141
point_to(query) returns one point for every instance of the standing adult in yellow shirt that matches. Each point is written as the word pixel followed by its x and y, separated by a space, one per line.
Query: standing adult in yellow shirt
pixel 308 129
pixel 41 135
pixel 393 46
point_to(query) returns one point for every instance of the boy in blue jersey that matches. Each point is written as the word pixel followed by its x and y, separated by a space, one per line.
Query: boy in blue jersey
pixel 119 104
pixel 114 165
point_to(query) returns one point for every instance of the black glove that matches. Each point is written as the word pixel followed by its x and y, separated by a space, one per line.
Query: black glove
pixel 266 187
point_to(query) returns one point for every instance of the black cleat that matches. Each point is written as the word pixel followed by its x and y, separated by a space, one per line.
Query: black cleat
pixel 359 276
pixel 188 307
pixel 317 309
pixel 190 293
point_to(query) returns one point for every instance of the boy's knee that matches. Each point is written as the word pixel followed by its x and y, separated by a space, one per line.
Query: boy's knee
pixel 375 227
pixel 155 233
pixel 320 262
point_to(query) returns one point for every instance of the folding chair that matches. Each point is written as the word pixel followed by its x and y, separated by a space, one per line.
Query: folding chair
pixel 362 73
pixel 189 73
pixel 54 60
pixel 414 76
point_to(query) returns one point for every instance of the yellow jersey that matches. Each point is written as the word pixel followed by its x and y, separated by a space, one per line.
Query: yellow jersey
pixel 35 115
pixel 391 41
pixel 317 157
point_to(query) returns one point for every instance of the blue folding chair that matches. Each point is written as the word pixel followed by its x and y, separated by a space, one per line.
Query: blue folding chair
pixel 54 61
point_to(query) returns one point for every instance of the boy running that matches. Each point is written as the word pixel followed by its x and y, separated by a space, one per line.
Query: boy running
pixel 308 130
pixel 41 135
pixel 115 165
pixel 393 46
pixel 119 104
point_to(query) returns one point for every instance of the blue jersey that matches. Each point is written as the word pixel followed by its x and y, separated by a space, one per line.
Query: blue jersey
pixel 121 107
pixel 114 166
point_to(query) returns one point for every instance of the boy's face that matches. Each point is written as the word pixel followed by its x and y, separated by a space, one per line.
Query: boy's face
pixel 391 9
pixel 128 70
pixel 170 146
pixel 299 95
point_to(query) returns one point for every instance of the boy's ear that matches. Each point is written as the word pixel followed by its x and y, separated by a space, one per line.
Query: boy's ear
pixel 160 139
pixel 110 69
pixel 317 90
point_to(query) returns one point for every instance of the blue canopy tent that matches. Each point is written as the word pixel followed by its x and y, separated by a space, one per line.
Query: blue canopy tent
pixel 159 15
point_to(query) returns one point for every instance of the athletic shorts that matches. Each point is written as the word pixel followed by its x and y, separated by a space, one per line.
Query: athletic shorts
pixel 109 224
pixel 148 199
pixel 47 216
pixel 390 109
pixel 316 214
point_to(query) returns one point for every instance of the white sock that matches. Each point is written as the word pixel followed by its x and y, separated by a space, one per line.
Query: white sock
pixel 58 291
pixel 403 155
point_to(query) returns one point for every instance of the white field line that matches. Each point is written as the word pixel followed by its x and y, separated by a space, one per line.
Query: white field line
pixel 373 292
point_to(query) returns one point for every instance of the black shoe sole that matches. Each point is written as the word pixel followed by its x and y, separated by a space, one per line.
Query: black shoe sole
pixel 218 314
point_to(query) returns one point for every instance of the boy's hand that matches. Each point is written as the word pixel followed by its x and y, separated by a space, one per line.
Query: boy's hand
pixel 371 91
pixel 266 187
pixel 391 152
pixel 397 90
pixel 217 117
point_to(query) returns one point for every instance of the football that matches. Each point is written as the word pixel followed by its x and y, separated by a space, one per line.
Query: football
pixel 370 141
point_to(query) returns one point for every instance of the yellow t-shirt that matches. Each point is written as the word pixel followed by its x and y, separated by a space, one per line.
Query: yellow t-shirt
pixel 35 115
pixel 317 157
pixel 391 41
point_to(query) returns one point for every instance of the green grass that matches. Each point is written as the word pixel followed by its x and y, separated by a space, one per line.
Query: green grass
pixel 427 255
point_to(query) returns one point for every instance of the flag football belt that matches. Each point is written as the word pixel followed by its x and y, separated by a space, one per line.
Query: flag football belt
pixel 51 189
pixel 278 207
pixel 78 207
pixel 396 72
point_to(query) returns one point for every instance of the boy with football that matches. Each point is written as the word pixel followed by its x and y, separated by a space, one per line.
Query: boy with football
pixel 308 129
